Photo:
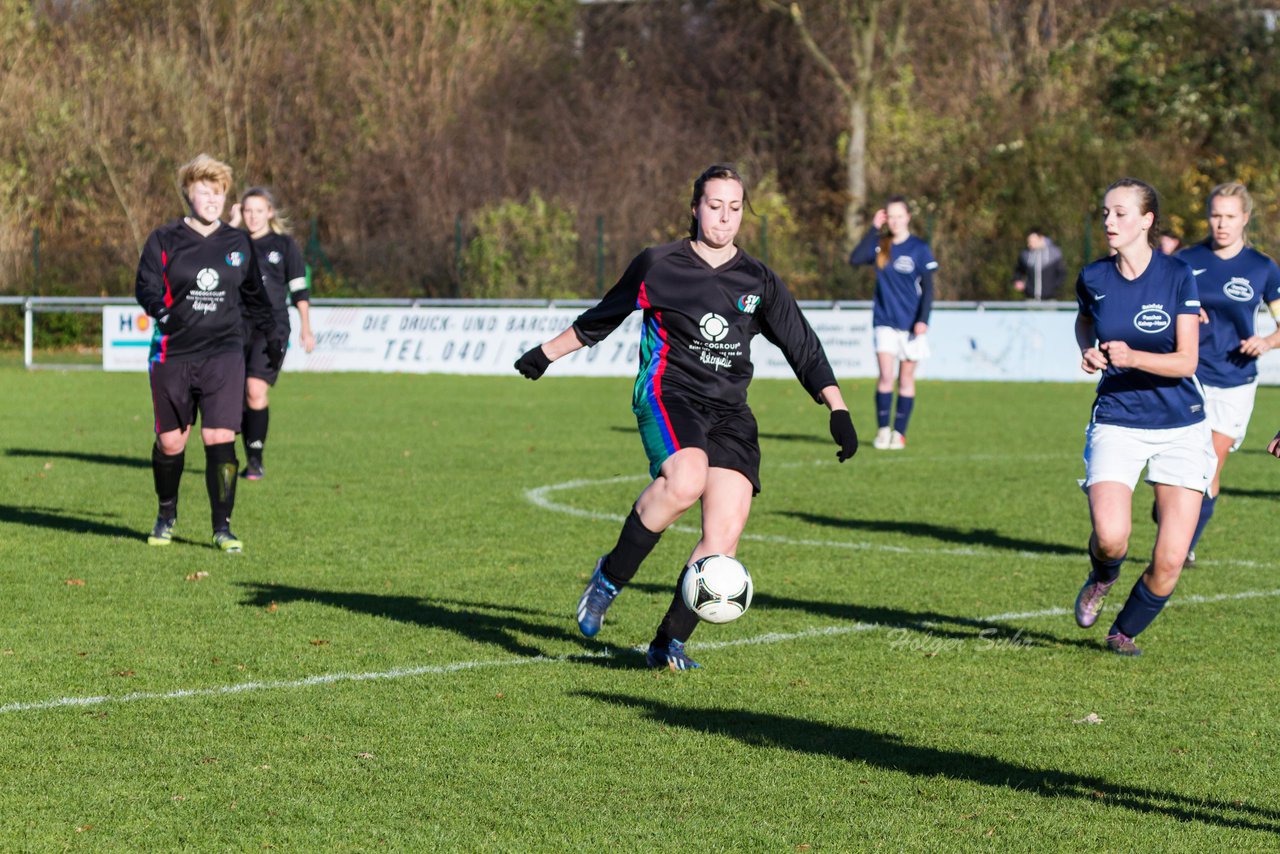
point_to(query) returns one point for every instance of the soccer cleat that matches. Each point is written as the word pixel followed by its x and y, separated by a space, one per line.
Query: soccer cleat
pixel 673 657
pixel 162 533
pixel 1089 601
pixel 1122 644
pixel 897 441
pixel 595 600
pixel 228 542
pixel 883 436
pixel 252 470
pixel 1190 561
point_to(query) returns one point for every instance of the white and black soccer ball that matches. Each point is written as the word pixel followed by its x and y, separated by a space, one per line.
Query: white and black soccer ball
pixel 717 588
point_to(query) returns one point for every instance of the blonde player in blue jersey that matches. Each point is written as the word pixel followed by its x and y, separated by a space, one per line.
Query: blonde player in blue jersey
pixel 1234 280
pixel 1138 324
pixel 899 315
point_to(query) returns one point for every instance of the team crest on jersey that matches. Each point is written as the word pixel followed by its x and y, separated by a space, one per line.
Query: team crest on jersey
pixel 713 327
pixel 1152 319
pixel 1238 289
pixel 904 264
pixel 748 303
pixel 235 259
pixel 274 257
pixel 207 279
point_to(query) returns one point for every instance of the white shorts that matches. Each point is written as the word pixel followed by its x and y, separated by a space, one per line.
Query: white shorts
pixel 1228 410
pixel 902 344
pixel 1177 456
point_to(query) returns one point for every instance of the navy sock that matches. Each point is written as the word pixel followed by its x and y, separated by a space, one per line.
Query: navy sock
pixel 255 431
pixel 884 406
pixel 1106 571
pixel 634 544
pixel 220 479
pixel 1139 610
pixel 1206 513
pixel 903 415
pixel 166 471
pixel 679 622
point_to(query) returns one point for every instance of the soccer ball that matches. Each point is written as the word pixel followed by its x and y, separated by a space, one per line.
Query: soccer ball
pixel 717 588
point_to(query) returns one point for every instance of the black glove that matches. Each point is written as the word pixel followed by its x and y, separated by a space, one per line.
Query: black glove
pixel 533 364
pixel 167 322
pixel 275 352
pixel 844 434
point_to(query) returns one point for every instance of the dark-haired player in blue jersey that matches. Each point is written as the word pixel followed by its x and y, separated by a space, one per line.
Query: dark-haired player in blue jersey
pixel 899 314
pixel 1234 280
pixel 1138 323
pixel 284 274
pixel 703 299
pixel 197 278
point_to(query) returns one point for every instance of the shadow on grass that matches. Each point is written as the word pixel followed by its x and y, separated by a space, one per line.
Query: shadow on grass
pixel 931 624
pixel 965 536
pixel 482 622
pixel 892 752
pixel 59 520
pixel 1250 493
pixel 141 461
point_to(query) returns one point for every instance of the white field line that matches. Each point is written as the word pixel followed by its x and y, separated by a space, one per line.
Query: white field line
pixel 457 666
pixel 541 497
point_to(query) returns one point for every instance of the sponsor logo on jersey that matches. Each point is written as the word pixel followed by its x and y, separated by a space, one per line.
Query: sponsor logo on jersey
pixel 747 303
pixel 207 279
pixel 1153 318
pixel 904 264
pixel 1238 289
pixel 713 327
pixel 274 257
pixel 235 259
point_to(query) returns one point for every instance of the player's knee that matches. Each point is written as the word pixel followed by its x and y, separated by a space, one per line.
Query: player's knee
pixel 1111 544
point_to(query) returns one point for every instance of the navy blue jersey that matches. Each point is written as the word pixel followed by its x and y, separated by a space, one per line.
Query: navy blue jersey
pixel 1230 292
pixel 1142 313
pixel 284 274
pixel 904 286
pixel 206 284
pixel 698 324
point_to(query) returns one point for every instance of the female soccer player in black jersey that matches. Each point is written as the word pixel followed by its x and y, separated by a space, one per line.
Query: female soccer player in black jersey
pixel 284 274
pixel 703 299
pixel 197 277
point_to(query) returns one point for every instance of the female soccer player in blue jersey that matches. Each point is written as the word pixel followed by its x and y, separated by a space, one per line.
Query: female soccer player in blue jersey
pixel 1138 324
pixel 1233 280
pixel 703 299
pixel 899 314
pixel 198 278
pixel 284 274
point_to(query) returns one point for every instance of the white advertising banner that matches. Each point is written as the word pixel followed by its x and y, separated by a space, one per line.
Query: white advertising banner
pixel 966 344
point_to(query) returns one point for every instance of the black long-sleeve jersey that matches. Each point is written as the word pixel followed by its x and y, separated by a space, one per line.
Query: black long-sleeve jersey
pixel 284 273
pixel 698 326
pixel 203 283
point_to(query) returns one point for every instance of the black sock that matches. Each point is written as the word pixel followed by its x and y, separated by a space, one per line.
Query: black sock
pixel 220 479
pixel 166 470
pixel 679 622
pixel 634 544
pixel 255 432
pixel 1106 571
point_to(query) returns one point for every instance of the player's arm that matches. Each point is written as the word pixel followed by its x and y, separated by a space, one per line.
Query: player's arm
pixel 151 290
pixel 295 272
pixel 1256 345
pixel 1092 359
pixel 865 251
pixel 1181 362
pixel 253 296
pixel 921 325
pixel 1274 448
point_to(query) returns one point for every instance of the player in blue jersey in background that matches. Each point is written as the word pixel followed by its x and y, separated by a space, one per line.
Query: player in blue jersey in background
pixel 1138 323
pixel 899 314
pixel 703 299
pixel 1233 280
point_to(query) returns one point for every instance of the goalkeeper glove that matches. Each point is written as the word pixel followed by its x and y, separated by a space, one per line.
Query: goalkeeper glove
pixel 843 432
pixel 533 364
pixel 275 352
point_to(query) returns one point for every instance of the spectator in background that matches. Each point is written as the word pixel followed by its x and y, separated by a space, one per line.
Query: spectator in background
pixel 1040 270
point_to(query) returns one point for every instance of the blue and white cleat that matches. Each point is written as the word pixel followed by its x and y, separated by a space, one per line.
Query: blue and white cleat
pixel 673 657
pixel 1089 601
pixel 595 601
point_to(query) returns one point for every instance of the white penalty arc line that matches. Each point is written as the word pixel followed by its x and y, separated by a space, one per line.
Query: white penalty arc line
pixel 459 666
pixel 541 497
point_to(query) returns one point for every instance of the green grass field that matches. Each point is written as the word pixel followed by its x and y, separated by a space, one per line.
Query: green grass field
pixel 393 661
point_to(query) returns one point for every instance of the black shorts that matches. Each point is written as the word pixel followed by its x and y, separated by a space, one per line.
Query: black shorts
pixel 255 358
pixel 729 436
pixel 214 385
